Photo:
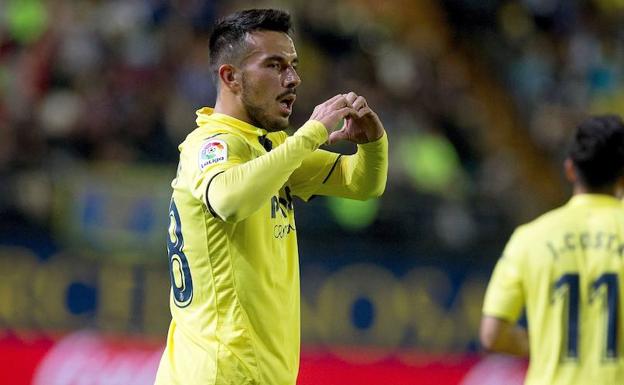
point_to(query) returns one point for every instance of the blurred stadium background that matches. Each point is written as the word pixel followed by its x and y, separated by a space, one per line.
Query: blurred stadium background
pixel 478 98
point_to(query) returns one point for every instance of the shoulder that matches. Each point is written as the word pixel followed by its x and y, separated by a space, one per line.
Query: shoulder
pixel 204 148
pixel 531 233
pixel 202 138
pixel 550 220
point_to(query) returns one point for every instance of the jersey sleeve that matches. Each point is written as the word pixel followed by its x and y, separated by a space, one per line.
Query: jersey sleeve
pixel 504 297
pixel 361 176
pixel 203 159
pixel 241 190
pixel 313 172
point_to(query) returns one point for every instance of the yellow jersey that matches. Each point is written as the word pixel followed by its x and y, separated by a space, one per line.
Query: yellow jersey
pixel 233 249
pixel 565 269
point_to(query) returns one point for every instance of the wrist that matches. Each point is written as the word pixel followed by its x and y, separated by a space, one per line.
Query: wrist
pixel 381 141
pixel 378 135
pixel 313 130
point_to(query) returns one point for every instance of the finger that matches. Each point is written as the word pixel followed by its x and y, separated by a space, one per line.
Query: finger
pixel 346 111
pixel 337 136
pixel 339 103
pixel 351 97
pixel 364 111
pixel 359 103
pixel 333 99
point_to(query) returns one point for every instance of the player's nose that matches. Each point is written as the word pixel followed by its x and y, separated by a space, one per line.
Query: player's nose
pixel 291 78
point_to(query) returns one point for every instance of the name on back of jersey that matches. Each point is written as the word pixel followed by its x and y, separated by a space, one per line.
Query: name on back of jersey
pixel 571 242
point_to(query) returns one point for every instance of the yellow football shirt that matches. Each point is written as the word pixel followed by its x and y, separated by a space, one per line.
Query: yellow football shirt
pixel 233 254
pixel 565 269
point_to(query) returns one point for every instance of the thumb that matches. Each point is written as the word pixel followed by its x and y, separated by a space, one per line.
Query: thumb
pixel 337 136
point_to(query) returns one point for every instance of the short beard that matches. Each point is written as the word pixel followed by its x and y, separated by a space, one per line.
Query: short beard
pixel 258 115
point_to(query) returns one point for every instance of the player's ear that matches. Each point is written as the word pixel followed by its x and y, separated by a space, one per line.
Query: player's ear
pixel 570 171
pixel 229 77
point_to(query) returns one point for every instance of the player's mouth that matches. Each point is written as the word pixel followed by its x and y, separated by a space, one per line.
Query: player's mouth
pixel 286 103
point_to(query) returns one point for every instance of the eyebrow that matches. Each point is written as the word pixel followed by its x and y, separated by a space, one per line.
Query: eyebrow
pixel 280 58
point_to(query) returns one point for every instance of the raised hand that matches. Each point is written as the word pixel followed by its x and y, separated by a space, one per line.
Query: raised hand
pixel 362 127
pixel 332 111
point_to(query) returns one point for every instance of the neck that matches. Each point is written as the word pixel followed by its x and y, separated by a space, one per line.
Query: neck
pixel 229 105
pixel 609 190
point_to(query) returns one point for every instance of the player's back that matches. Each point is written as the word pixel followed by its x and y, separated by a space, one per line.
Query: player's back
pixel 571 266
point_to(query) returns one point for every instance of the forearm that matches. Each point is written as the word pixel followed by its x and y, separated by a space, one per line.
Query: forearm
pixel 241 190
pixel 362 175
pixel 504 337
pixel 515 341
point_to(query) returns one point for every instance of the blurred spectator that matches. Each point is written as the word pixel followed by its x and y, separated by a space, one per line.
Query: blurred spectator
pixel 479 96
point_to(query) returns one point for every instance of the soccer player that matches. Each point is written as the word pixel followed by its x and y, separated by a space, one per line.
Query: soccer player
pixel 232 237
pixel 565 268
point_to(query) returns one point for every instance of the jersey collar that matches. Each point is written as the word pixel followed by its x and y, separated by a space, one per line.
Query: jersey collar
pixel 207 115
pixel 595 199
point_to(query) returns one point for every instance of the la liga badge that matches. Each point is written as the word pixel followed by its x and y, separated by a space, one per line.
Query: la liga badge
pixel 211 152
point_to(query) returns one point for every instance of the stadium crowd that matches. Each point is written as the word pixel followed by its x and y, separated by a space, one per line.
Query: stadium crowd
pixel 478 99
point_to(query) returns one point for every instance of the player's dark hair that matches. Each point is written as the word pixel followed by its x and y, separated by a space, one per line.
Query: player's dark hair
pixel 227 40
pixel 597 150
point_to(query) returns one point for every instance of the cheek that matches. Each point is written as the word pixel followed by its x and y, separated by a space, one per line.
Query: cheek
pixel 261 88
pixel 266 79
pixel 258 96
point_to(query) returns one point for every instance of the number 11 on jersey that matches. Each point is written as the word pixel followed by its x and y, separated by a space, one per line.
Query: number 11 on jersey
pixel 606 287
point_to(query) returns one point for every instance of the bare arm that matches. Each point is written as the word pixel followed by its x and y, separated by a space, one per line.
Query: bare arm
pixel 501 336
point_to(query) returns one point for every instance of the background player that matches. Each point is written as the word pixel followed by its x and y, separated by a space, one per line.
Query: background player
pixel 566 268
pixel 232 239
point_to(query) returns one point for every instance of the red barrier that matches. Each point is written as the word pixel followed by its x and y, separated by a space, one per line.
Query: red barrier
pixel 322 368
pixel 87 358
pixel 20 356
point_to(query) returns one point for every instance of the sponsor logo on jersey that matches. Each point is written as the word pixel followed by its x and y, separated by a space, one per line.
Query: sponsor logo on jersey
pixel 282 204
pixel 211 152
